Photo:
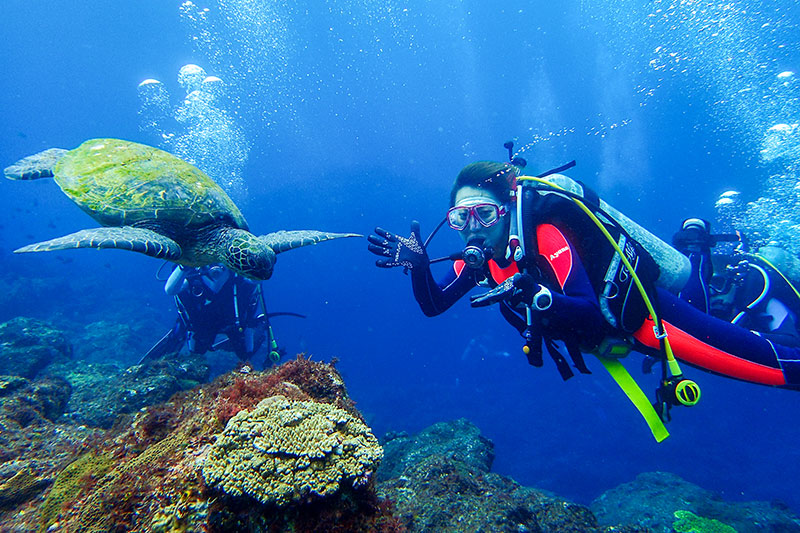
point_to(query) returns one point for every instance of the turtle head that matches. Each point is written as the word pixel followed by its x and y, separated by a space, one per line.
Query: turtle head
pixel 248 255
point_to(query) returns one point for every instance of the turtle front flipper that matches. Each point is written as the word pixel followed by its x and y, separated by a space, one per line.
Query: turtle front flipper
pixel 139 240
pixel 283 241
pixel 35 166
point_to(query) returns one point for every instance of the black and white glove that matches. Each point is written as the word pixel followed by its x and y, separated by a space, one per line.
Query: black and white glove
pixel 516 290
pixel 395 250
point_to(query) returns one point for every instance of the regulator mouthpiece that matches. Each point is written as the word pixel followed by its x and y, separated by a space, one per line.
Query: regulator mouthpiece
pixel 475 254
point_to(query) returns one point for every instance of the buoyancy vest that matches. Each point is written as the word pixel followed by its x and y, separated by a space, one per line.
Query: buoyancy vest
pixel 622 305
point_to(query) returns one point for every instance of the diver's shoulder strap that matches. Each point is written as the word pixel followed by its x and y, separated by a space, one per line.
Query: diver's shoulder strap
pixel 590 197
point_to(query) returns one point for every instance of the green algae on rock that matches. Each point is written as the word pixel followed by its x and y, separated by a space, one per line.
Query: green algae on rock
pixel 688 522
pixel 70 482
pixel 653 497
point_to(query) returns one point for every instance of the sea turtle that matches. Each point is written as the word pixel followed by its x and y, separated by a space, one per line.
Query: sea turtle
pixel 154 203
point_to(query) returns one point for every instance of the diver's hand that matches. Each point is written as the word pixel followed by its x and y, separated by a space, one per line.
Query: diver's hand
pixel 395 251
pixel 516 290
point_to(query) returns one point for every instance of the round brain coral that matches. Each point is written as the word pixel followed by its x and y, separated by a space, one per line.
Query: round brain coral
pixel 283 450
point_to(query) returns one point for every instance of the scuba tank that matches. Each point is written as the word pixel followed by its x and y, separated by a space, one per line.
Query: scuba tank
pixel 781 260
pixel 674 267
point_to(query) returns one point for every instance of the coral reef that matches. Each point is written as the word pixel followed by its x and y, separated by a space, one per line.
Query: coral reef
pixel 146 473
pixel 653 498
pixel 439 480
pixel 28 345
pixel 285 450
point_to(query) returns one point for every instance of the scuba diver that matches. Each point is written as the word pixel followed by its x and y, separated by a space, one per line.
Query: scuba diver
pixel 212 301
pixel 562 265
pixel 750 290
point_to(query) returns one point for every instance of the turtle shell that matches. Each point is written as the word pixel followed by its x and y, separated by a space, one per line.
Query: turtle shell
pixel 121 183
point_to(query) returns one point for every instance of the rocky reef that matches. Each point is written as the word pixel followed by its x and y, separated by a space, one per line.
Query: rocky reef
pixel 99 387
pixel 665 502
pixel 32 444
pixel 101 392
pixel 282 450
pixel 92 446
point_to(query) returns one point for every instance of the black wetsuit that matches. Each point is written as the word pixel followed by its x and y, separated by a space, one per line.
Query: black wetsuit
pixel 574 258
pixel 214 301
pixel 753 295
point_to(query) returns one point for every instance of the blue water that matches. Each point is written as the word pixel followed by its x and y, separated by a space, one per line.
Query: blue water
pixel 361 113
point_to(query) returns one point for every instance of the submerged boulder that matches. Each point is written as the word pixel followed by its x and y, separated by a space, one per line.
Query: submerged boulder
pixel 460 440
pixel 28 345
pixel 103 391
pixel 27 402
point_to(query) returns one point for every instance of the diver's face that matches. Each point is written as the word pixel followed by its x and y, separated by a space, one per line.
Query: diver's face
pixel 496 235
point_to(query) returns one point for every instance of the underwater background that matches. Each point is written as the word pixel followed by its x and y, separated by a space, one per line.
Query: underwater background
pixel 346 115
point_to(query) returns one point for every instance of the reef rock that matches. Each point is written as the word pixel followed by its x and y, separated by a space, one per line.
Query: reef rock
pixel 26 402
pixel 439 480
pixel 32 446
pixel 28 345
pixel 654 498
pixel 286 450
pixel 118 337
pixel 460 440
pixel 102 392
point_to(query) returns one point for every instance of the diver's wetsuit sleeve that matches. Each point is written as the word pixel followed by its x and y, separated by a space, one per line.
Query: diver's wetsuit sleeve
pixel 720 347
pixel 436 298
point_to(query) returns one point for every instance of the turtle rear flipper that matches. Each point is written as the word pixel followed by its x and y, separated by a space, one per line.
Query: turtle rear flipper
pixel 283 241
pixel 35 166
pixel 139 240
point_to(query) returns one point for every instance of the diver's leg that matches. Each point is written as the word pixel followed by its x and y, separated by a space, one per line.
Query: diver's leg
pixel 720 347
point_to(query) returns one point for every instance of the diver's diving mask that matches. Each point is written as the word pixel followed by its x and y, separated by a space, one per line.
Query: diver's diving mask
pixel 486 213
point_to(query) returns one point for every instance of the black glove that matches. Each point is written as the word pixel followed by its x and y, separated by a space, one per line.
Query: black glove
pixel 516 290
pixel 398 251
